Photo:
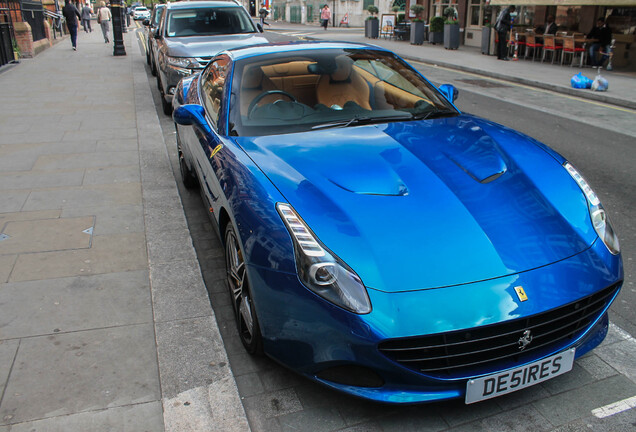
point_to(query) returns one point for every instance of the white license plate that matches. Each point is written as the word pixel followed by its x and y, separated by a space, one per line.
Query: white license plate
pixel 498 384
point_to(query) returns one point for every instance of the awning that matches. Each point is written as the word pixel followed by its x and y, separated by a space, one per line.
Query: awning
pixel 615 3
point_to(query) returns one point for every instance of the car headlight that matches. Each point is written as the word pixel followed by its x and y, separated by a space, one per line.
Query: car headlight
pixel 183 62
pixel 600 218
pixel 322 271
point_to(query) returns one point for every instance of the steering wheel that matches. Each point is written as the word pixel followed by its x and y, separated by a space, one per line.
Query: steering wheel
pixel 257 99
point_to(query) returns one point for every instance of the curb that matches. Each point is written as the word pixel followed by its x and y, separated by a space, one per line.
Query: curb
pixel 596 96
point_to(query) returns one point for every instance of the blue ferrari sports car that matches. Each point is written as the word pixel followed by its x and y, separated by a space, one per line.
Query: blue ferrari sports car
pixel 380 241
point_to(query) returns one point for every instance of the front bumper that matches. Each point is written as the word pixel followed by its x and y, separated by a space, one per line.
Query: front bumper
pixel 315 337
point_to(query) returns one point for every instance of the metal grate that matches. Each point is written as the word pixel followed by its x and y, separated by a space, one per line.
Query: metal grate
pixel 459 352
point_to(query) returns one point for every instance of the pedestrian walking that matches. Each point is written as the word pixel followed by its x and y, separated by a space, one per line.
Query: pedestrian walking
pixel 502 25
pixel 103 18
pixel 263 14
pixel 325 16
pixel 71 14
pixel 87 12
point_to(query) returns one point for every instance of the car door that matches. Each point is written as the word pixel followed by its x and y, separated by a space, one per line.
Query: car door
pixel 208 154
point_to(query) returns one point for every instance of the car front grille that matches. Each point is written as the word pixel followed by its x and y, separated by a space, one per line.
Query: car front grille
pixel 496 346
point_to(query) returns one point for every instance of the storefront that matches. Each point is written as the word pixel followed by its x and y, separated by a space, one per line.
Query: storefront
pixel 579 16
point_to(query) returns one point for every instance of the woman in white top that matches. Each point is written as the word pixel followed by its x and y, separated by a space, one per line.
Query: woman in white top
pixel 103 18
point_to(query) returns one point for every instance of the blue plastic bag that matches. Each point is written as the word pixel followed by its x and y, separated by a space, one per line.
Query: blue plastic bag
pixel 579 81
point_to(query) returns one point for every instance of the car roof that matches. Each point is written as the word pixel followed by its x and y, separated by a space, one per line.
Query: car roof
pixel 202 4
pixel 294 46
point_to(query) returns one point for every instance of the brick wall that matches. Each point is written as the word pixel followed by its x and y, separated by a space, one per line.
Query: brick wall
pixel 24 38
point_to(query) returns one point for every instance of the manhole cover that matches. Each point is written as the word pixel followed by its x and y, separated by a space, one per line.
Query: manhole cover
pixel 482 83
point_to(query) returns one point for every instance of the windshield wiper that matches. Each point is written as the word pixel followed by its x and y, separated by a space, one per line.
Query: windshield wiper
pixel 434 114
pixel 356 121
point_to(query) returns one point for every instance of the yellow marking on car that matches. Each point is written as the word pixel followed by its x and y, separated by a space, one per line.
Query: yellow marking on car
pixel 578 99
pixel 216 150
pixel 521 293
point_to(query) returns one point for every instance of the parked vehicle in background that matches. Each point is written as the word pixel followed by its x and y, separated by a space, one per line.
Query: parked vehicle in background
pixel 141 12
pixel 190 33
pixel 151 25
pixel 383 243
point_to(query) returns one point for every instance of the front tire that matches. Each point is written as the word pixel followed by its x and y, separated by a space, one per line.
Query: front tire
pixel 240 293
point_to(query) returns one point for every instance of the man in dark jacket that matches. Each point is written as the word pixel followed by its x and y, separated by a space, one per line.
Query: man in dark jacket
pixel 603 35
pixel 71 14
pixel 502 25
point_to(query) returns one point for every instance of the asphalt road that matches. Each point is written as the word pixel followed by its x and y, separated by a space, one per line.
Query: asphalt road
pixel 276 399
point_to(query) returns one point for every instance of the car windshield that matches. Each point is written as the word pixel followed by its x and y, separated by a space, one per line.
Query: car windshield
pixel 207 22
pixel 141 9
pixel 328 88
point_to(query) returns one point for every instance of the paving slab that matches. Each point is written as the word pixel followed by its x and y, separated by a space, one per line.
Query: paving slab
pixel 8 350
pixel 46 235
pixel 74 304
pixel 81 371
pixel 143 417
pixel 112 219
pixel 109 253
pixel 22 180
pixel 6 266
pixel 90 195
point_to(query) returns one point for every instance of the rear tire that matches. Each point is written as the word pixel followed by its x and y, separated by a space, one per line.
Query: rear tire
pixel 241 295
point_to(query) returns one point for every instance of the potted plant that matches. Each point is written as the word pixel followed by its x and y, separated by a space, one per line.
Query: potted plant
pixel 436 30
pixel 451 29
pixel 372 25
pixel 16 50
pixel 417 25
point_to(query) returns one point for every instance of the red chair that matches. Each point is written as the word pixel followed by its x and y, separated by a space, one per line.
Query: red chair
pixel 550 45
pixel 571 47
pixel 532 44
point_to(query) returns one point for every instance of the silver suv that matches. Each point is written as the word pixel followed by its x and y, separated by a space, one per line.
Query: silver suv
pixel 191 33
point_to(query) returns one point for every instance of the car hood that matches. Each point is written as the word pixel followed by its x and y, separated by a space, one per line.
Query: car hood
pixel 207 46
pixel 425 204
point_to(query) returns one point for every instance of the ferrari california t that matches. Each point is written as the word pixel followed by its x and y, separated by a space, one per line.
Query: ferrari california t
pixel 380 241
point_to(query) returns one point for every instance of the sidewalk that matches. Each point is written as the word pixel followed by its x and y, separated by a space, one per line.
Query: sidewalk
pixel 105 324
pixel 622 84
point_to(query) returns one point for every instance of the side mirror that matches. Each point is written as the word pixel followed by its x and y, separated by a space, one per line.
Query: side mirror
pixel 147 22
pixel 259 27
pixel 449 91
pixel 191 115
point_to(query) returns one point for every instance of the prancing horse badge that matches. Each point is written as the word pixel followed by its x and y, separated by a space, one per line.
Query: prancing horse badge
pixel 521 293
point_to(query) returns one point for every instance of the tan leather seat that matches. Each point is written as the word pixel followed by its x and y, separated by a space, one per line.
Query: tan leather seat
pixel 253 83
pixel 343 85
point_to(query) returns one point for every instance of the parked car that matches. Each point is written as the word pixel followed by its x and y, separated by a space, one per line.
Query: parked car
pixel 190 33
pixel 140 13
pixel 383 243
pixel 151 26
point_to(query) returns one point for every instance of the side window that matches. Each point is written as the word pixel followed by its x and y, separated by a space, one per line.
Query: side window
pixel 213 86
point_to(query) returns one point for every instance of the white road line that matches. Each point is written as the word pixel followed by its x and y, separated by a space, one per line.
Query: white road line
pixel 615 408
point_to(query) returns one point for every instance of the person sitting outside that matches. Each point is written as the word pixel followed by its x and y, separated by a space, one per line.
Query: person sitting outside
pixel 603 36
pixel 550 25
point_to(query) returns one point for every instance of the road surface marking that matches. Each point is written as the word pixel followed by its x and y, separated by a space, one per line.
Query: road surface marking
pixel 615 408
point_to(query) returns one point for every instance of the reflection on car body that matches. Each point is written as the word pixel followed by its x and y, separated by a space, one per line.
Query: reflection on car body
pixel 383 243
pixel 190 33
